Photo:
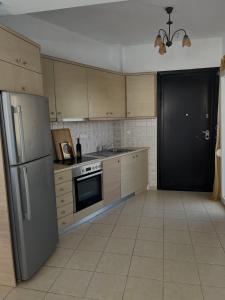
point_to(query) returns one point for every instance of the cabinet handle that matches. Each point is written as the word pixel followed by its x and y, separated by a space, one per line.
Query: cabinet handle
pixel 23 88
pixel 18 60
pixel 118 161
pixel 61 189
pixel 111 113
pixel 61 178
pixel 24 63
pixel 136 155
pixel 63 223
pixel 52 113
pixel 63 212
pixel 62 201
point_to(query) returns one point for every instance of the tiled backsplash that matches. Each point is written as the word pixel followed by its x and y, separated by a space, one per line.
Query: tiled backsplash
pixel 125 133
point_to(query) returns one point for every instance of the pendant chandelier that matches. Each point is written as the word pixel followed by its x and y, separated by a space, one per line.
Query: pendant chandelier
pixel 165 39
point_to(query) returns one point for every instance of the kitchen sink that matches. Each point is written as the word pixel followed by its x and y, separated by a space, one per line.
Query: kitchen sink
pixel 111 152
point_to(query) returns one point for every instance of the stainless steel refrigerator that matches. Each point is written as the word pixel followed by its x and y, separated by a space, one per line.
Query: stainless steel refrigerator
pixel 26 135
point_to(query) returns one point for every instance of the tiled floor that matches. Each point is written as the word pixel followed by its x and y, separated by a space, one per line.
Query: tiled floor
pixel 156 246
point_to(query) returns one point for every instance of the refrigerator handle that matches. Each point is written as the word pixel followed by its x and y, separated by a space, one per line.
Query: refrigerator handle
pixel 18 111
pixel 27 192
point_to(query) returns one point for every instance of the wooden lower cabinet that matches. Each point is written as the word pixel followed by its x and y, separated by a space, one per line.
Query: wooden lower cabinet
pixel 18 79
pixel 111 180
pixel 134 173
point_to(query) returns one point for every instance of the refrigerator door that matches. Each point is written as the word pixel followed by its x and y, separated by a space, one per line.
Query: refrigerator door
pixel 33 200
pixel 27 127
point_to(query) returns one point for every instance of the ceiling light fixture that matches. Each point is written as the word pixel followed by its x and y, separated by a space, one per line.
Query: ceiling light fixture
pixel 164 39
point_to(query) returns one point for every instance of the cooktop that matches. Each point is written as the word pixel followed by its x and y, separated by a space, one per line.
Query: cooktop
pixel 75 161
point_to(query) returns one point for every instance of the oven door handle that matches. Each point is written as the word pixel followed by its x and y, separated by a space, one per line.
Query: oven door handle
pixel 88 176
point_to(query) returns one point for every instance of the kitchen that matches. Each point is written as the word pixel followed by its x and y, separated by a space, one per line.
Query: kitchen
pixel 102 200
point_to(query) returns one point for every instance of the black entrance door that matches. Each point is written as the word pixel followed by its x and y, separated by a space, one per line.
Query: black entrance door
pixel 187 110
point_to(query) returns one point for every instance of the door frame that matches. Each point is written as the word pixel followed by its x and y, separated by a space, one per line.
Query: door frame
pixel 213 117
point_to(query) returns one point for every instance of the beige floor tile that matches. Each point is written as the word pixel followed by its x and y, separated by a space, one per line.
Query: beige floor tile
pixel 100 229
pixel 143 289
pixel 107 218
pixel 153 212
pixel 114 263
pixel 125 232
pixel 150 234
pixel 59 258
pixel 148 248
pixel 51 296
pixel 212 275
pixel 222 239
pixel 146 267
pixel 175 224
pixel 82 229
pixel 84 260
pixel 93 243
pixel 4 290
pixel 131 210
pixel 201 226
pixel 210 255
pixel 213 293
pixel 177 236
pixel 72 283
pixel 220 227
pixel 42 280
pixel 181 272
pixel 156 223
pixel 178 252
pixel 174 213
pixel 128 220
pixel 70 240
pixel 177 291
pixel 106 287
pixel 24 294
pixel 118 245
pixel 205 239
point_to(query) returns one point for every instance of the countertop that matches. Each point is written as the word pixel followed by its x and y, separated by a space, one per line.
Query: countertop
pixel 60 168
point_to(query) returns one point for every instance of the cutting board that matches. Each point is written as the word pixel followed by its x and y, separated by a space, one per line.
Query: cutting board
pixel 62 136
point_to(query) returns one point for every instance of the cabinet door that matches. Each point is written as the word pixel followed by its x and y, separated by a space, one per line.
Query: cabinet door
pixel 70 91
pixel 18 51
pixel 98 94
pixel 106 94
pixel 141 95
pixel 111 180
pixel 17 79
pixel 128 175
pixel 141 162
pixel 49 85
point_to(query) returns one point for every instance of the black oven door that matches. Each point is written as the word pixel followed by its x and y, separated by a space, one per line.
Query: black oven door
pixel 88 190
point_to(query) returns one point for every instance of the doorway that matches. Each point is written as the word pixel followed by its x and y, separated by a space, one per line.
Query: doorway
pixel 187 117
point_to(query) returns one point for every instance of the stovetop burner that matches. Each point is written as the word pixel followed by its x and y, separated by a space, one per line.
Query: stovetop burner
pixel 75 161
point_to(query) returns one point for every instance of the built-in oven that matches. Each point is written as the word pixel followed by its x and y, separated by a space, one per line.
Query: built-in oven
pixel 87 187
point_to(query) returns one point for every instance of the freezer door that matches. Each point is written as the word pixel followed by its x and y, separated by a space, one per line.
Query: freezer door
pixel 34 209
pixel 27 127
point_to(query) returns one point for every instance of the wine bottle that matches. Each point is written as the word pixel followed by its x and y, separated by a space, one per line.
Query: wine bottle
pixel 78 148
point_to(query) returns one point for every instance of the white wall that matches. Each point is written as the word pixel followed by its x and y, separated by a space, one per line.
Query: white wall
pixel 203 53
pixel 59 42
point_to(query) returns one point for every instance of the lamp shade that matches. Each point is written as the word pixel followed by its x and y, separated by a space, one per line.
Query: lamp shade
pixel 162 49
pixel 158 40
pixel 186 41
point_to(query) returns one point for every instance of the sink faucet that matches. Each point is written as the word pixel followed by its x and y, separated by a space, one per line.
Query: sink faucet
pixel 105 147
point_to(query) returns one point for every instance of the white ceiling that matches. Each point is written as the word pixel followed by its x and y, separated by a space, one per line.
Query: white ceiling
pixel 13 7
pixel 137 21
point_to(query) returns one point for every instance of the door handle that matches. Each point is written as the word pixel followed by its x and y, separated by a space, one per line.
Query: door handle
pixel 27 192
pixel 18 111
pixel 207 134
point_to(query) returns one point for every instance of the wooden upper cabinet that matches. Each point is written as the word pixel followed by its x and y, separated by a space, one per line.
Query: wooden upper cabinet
pixel 70 91
pixel 106 94
pixel 18 51
pixel 49 85
pixel 17 79
pixel 141 95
